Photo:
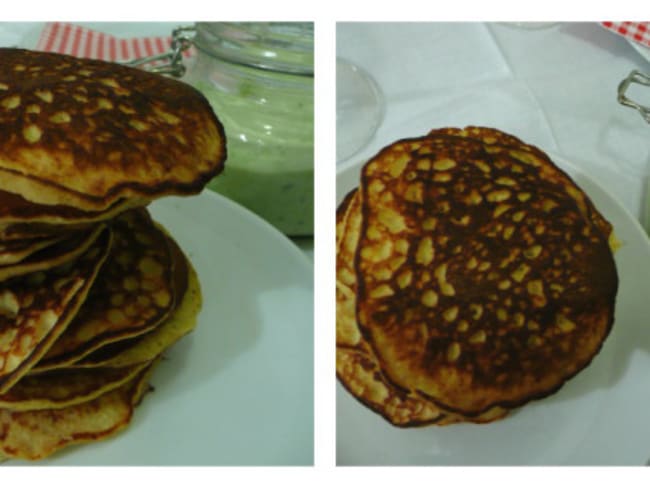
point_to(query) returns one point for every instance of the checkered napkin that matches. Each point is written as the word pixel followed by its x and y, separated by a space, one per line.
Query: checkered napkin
pixel 79 41
pixel 634 31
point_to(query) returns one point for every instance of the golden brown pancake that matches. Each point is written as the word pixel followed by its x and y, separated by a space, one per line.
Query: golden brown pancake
pixel 65 387
pixel 348 216
pixel 341 216
pixel 14 209
pixel 92 290
pixel 32 231
pixel 133 293
pixel 36 309
pixel 508 145
pixel 60 252
pixel 35 434
pixel 151 345
pixel 484 274
pixel 486 135
pixel 86 133
pixel 356 365
pixel 14 251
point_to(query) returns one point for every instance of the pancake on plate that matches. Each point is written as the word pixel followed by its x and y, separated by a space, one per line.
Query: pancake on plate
pixel 38 307
pixel 474 274
pixel 14 251
pixel 65 387
pixel 35 434
pixel 133 294
pixel 152 344
pixel 356 364
pixel 93 291
pixel 137 135
pixel 14 210
pixel 58 251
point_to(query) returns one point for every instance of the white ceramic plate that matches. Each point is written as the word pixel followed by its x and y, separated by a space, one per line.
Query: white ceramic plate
pixel 239 389
pixel 597 418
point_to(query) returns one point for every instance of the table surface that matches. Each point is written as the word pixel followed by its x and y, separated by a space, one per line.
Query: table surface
pixel 555 87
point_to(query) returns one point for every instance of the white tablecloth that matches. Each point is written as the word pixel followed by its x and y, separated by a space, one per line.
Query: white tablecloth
pixel 554 87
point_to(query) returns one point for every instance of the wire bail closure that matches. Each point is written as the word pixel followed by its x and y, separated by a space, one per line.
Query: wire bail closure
pixel 171 62
pixel 635 76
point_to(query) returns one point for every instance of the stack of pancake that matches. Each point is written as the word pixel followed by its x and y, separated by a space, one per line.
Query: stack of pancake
pixel 92 290
pixel 473 276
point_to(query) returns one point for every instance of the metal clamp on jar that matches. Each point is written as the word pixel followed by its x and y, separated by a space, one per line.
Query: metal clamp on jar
pixel 636 77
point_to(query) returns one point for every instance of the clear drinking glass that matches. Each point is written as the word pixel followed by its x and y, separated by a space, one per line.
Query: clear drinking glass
pixel 359 108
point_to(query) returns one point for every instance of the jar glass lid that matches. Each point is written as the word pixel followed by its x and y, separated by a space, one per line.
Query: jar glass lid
pixel 276 46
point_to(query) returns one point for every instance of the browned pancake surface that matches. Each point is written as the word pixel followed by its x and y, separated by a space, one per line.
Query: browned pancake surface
pixel 35 434
pixel 152 344
pixel 87 133
pixel 16 210
pixel 16 250
pixel 133 293
pixel 499 142
pixel 65 387
pixel 61 251
pixel 357 367
pixel 481 283
pixel 22 231
pixel 37 308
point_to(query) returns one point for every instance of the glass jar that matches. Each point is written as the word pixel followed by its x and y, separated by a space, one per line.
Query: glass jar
pixel 259 78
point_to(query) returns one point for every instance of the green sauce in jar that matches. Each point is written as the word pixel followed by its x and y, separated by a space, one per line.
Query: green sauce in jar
pixel 266 107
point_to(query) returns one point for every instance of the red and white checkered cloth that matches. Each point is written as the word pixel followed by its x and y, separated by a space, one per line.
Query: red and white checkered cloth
pixel 633 31
pixel 79 41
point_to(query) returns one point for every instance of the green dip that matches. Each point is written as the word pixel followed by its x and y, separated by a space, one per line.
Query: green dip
pixel 269 125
